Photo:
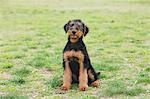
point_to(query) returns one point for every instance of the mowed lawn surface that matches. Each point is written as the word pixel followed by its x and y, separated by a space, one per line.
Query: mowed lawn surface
pixel 32 39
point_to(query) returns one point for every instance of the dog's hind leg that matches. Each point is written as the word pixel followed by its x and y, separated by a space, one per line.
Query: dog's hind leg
pixel 93 77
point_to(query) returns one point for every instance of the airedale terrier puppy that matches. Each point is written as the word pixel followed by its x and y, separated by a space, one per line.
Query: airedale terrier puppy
pixel 76 61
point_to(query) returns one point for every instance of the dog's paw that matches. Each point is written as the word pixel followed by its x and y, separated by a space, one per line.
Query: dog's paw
pixel 83 87
pixel 96 83
pixel 65 88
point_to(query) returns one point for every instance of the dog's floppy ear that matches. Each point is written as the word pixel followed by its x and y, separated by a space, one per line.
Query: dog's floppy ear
pixel 66 26
pixel 85 29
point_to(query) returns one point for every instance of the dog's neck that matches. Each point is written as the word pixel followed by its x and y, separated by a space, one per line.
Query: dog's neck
pixel 75 46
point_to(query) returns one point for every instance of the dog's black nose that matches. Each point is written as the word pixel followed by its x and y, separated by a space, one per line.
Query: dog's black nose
pixel 73 32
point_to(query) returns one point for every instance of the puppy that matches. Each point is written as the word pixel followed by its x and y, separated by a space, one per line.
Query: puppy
pixel 76 61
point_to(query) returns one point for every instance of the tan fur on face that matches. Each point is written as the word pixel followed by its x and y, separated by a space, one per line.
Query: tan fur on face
pixel 78 35
pixel 69 33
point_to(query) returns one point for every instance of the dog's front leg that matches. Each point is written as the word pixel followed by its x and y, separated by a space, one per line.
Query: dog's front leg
pixel 83 77
pixel 67 79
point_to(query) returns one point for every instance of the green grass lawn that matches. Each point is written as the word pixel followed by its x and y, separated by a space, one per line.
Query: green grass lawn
pixel 32 39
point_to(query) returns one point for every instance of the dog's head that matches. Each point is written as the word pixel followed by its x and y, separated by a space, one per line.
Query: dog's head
pixel 75 29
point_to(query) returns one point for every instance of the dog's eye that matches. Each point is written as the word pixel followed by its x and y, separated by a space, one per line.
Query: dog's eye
pixel 72 24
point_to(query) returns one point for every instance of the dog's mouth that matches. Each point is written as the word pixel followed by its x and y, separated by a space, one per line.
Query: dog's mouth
pixel 73 38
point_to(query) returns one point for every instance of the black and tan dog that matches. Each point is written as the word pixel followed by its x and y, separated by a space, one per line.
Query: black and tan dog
pixel 76 61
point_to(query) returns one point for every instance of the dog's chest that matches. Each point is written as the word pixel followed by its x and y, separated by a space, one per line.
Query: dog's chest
pixel 73 56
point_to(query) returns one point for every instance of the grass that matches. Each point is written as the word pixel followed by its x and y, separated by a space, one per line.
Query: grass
pixel 55 82
pixel 6 64
pixel 17 81
pixel 32 39
pixel 41 59
pixel 135 91
pixel 23 72
pixel 118 87
pixel 13 97
pixel 115 87
pixel 143 77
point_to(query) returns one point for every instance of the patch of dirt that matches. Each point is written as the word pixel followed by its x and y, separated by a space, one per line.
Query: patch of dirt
pixel 45 72
pixel 5 75
pixel 60 91
pixel 2 93
pixel 35 94
pixel 147 42
pixel 147 86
